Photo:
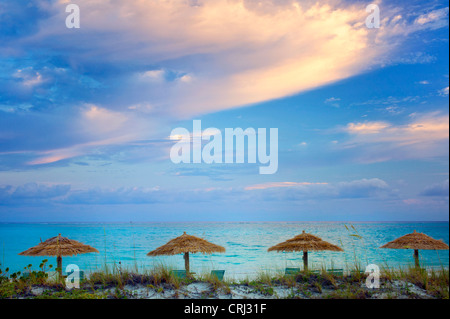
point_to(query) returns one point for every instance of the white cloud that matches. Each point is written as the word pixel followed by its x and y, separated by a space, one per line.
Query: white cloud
pixel 439 189
pixel 367 127
pixel 303 144
pixel 177 58
pixel 274 191
pixel 333 101
pixel 241 52
pixel 29 77
pixel 96 126
pixel 153 75
pixel 363 188
pixel 426 136
pixel 280 184
pixel 435 16
pixel 444 92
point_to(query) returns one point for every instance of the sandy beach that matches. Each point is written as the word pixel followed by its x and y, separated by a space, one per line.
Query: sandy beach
pixel 301 286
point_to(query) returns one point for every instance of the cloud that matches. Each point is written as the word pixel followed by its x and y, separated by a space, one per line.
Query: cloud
pixel 31 193
pixel 436 18
pixel 425 136
pixel 364 188
pixel 439 189
pixel 120 196
pixel 443 92
pixel 280 184
pixel 90 128
pixel 135 65
pixel 240 52
pixel 333 101
pixel 366 128
pixel 28 77
pixel 34 193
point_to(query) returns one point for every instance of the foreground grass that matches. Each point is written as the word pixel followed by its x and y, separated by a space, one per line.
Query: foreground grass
pixel 122 284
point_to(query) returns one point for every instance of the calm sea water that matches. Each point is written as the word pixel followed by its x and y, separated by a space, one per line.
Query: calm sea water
pixel 246 244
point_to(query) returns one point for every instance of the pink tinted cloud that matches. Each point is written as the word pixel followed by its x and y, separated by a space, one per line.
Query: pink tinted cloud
pixel 425 136
pixel 280 184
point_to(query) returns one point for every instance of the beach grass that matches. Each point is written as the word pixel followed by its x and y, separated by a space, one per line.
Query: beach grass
pixel 116 282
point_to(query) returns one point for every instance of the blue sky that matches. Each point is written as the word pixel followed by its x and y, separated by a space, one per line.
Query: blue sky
pixel 86 114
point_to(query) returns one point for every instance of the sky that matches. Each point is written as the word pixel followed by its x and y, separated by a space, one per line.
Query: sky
pixel 86 114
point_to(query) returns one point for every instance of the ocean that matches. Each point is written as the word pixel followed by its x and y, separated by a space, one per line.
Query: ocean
pixel 246 245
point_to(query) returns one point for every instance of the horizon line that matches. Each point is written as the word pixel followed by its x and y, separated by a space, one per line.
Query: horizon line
pixel 218 221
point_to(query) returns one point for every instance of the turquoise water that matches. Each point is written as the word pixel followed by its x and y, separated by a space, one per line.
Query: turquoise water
pixel 246 244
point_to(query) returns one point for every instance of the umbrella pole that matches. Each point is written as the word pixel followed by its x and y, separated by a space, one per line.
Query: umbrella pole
pixel 416 258
pixel 305 260
pixel 59 264
pixel 59 258
pixel 186 262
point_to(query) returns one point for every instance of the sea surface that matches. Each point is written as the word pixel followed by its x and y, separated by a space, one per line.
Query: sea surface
pixel 246 245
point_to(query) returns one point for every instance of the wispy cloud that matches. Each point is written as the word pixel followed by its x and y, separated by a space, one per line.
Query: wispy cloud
pixel 439 189
pixel 34 193
pixel 280 184
pixel 425 136
pixel 334 101
pixel 200 57
pixel 250 53
pixel 364 188
pixel 435 18
pixel 443 92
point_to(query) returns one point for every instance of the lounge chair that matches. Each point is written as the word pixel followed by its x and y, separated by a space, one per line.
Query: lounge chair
pixel 336 272
pixel 218 273
pixel 355 272
pixel 291 271
pixel 178 273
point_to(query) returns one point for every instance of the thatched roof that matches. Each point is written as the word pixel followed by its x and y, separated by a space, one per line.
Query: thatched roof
pixel 187 244
pixel 416 241
pixel 305 242
pixel 59 246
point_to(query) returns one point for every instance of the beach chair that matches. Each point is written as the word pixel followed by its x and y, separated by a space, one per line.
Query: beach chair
pixel 336 272
pixel 218 273
pixel 291 271
pixel 178 273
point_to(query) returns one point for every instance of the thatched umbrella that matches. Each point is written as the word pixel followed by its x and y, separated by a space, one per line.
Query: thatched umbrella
pixel 416 241
pixel 304 242
pixel 59 246
pixel 186 244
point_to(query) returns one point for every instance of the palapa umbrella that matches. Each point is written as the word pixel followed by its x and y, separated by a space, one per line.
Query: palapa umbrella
pixel 305 242
pixel 59 246
pixel 416 241
pixel 186 244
